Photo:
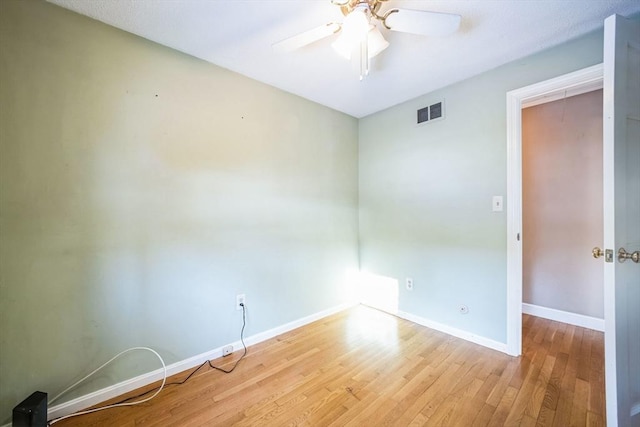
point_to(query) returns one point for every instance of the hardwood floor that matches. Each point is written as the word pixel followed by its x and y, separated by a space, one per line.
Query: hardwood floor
pixel 362 367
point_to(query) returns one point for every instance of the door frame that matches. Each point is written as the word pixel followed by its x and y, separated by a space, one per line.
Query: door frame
pixel 575 83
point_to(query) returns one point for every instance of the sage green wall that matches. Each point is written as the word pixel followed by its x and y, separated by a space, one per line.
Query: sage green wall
pixel 141 190
pixel 426 192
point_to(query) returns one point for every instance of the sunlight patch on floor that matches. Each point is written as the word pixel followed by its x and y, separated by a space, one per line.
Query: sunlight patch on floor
pixel 374 326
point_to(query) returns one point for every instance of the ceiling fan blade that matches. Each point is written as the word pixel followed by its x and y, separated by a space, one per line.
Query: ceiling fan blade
pixel 422 22
pixel 300 40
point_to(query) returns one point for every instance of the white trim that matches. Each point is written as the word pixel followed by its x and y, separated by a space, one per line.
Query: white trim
pixel 578 89
pixel 115 390
pixel 263 336
pixel 514 225
pixel 564 316
pixel 458 333
pixel 587 78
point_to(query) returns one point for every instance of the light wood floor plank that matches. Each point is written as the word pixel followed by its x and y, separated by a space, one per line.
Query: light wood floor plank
pixel 483 417
pixel 365 367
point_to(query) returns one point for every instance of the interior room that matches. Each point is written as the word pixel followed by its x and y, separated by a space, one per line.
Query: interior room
pixel 191 194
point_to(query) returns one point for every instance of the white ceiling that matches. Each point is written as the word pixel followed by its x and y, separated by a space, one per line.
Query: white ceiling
pixel 237 35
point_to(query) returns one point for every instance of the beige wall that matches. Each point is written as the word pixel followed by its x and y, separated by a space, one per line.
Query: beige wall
pixel 562 204
pixel 141 190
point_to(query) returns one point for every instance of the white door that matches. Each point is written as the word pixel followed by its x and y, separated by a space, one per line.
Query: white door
pixel 622 219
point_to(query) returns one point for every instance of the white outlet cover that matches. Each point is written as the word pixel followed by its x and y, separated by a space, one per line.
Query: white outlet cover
pixel 240 298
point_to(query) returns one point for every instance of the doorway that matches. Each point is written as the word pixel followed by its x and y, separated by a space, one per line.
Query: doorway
pixel 576 83
pixel 562 210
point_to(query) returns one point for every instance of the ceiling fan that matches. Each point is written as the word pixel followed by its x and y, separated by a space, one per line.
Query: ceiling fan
pixel 360 38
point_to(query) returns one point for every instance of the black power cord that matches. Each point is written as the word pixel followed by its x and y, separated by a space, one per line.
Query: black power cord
pixel 206 362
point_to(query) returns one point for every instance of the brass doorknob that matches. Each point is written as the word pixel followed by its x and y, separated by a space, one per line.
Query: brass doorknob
pixel 623 255
pixel 597 252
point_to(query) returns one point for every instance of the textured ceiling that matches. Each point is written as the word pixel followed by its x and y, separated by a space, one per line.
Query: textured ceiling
pixel 237 35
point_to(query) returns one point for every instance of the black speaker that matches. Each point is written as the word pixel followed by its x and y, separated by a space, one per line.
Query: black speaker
pixel 31 412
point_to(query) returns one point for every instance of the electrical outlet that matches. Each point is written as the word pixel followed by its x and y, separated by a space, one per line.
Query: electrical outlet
pixel 409 283
pixel 227 350
pixel 240 299
pixel 463 309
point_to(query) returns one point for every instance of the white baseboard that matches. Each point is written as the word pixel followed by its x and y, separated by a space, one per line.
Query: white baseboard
pixel 263 336
pixel 458 333
pixel 115 390
pixel 564 316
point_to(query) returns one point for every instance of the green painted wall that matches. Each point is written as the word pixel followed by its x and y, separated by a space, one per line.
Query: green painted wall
pixel 426 192
pixel 141 190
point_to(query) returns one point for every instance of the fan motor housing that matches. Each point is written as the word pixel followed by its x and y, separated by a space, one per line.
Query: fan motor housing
pixel 348 6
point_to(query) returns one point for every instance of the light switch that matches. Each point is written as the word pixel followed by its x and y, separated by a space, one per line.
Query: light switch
pixel 497 203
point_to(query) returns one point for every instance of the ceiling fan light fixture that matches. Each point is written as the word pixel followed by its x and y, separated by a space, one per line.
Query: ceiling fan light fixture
pixel 354 32
pixel 376 42
pixel 360 38
pixel 342 47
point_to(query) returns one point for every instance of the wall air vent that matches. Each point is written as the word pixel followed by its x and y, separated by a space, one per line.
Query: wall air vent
pixel 431 113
